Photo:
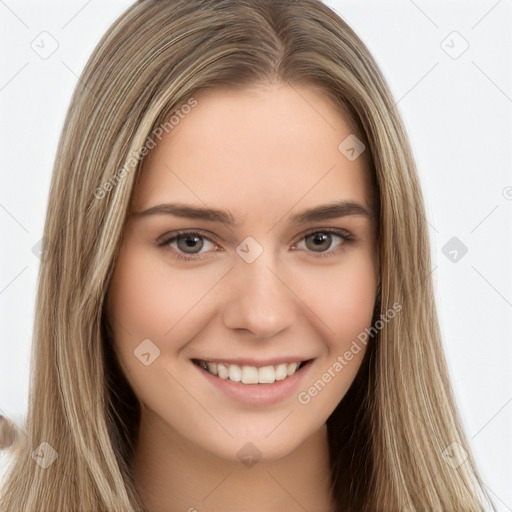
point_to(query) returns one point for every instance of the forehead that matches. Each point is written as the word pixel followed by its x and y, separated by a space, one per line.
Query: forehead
pixel 260 149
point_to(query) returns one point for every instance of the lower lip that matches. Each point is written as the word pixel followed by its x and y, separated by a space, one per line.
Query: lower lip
pixel 258 394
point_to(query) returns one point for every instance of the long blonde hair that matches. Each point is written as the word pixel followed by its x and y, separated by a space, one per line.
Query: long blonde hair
pixel 388 436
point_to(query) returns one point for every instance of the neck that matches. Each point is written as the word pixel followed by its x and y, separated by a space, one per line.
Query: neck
pixel 174 475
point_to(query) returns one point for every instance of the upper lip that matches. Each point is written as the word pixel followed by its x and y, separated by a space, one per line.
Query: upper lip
pixel 247 361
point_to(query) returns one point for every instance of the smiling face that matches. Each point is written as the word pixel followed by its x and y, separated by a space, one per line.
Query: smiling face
pixel 257 280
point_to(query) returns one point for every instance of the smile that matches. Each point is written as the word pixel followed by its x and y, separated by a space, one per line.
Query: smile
pixel 246 374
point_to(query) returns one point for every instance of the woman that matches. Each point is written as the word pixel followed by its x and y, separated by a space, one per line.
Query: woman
pixel 294 362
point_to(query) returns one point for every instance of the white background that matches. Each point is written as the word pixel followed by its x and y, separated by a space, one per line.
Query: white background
pixel 458 115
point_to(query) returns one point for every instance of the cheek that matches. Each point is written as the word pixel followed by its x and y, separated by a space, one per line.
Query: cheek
pixel 342 297
pixel 146 297
pixel 344 301
pixel 150 299
pixel 353 301
pixel 138 298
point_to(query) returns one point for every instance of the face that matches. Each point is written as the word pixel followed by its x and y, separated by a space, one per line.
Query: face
pixel 221 262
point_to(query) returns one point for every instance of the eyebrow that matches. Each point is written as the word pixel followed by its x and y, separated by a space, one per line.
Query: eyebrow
pixel 319 213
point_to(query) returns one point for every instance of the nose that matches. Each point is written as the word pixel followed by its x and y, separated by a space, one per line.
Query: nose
pixel 260 300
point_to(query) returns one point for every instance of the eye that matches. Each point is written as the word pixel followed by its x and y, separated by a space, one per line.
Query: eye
pixel 186 244
pixel 189 245
pixel 320 241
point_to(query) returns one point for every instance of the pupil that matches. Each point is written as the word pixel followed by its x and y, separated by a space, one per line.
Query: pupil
pixel 189 242
pixel 323 239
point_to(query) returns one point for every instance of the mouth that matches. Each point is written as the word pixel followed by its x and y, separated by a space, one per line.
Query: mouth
pixel 252 375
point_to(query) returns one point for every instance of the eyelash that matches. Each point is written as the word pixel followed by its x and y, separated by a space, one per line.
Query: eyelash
pixel 344 235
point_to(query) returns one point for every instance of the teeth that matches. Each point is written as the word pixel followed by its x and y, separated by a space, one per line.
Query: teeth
pixel 266 375
pixel 235 372
pixel 222 371
pixel 290 369
pixel 281 371
pixel 251 374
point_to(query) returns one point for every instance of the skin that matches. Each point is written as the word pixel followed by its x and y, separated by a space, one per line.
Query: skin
pixel 263 153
